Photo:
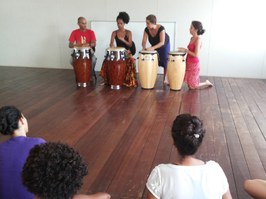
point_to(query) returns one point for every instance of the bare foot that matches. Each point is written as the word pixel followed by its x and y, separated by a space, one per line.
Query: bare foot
pixel 166 82
pixel 208 83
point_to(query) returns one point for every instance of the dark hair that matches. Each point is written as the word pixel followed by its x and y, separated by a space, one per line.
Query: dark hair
pixel 198 26
pixel 124 16
pixel 152 19
pixel 187 133
pixel 9 117
pixel 80 18
pixel 53 171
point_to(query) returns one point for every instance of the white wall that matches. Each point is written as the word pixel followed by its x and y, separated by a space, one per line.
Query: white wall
pixel 35 33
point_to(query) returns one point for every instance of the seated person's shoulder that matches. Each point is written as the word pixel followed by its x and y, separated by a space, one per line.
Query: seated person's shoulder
pixel 36 140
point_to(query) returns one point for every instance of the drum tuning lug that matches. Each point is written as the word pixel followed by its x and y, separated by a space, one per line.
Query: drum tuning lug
pixel 112 57
pixel 115 87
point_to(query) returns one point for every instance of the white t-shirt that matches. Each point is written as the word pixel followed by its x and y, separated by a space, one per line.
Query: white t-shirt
pixel 170 181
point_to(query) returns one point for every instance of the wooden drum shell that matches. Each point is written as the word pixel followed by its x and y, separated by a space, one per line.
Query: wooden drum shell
pixel 116 66
pixel 176 69
pixel 82 66
pixel 116 71
pixel 148 68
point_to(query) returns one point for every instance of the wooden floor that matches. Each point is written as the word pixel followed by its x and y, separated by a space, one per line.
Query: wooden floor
pixel 123 134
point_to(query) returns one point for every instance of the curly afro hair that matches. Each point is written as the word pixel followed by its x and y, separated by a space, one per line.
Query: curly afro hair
pixel 53 171
pixel 9 117
pixel 124 16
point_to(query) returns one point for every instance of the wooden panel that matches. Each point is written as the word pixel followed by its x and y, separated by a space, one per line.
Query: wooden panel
pixel 123 134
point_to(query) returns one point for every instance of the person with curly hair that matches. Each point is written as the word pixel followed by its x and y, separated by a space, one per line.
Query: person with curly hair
pixel 188 177
pixel 55 171
pixel 13 152
pixel 123 38
pixel 192 61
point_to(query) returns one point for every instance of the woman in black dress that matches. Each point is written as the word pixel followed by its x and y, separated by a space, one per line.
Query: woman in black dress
pixel 159 41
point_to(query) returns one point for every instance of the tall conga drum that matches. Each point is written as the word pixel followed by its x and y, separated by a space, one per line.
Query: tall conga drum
pixel 116 66
pixel 148 68
pixel 176 69
pixel 82 64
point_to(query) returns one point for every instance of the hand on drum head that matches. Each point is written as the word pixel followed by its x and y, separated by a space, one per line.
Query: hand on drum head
pixel 149 49
pixel 80 45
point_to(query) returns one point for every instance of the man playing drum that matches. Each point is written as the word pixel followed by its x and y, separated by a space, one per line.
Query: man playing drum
pixel 84 37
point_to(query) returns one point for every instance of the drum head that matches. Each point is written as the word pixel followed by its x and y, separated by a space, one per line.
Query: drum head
pixel 148 52
pixel 81 48
pixel 116 49
pixel 177 53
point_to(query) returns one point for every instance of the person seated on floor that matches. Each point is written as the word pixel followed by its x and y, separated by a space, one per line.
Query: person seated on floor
pixel 55 171
pixel 13 152
pixel 188 177
pixel 256 188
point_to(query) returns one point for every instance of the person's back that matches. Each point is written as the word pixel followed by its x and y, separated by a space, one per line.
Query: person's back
pixel 13 154
pixel 205 181
pixel 188 177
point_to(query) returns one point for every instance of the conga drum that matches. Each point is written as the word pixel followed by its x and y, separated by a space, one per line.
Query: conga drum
pixel 82 64
pixel 116 66
pixel 148 68
pixel 176 69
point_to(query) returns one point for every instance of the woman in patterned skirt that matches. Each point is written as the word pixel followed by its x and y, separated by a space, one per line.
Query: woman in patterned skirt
pixel 123 38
